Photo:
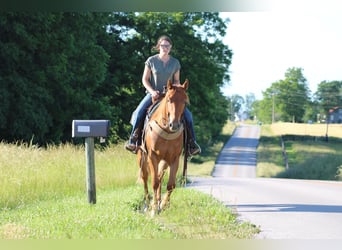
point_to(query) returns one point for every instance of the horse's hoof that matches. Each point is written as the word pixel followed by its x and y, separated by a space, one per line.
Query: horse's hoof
pixel 164 205
pixel 153 213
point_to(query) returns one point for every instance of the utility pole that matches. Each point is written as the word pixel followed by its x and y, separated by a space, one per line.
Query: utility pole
pixel 326 131
pixel 273 107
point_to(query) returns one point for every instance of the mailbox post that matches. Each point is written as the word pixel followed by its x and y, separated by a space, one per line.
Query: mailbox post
pixel 90 129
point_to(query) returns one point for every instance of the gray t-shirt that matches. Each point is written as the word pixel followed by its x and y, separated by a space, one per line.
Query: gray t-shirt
pixel 160 74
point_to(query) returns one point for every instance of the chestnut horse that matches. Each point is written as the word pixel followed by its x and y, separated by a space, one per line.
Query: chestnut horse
pixel 162 145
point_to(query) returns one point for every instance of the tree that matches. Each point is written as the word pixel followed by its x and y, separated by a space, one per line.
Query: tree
pixel 286 99
pixel 51 67
pixel 329 95
pixel 265 110
pixel 56 67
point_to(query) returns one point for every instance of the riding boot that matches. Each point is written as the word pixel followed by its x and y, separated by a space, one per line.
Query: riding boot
pixel 135 138
pixel 131 145
pixel 194 148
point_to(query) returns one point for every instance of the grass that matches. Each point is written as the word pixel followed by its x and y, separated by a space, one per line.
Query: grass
pixel 313 160
pixel 115 216
pixel 29 173
pixel 43 196
pixel 308 158
pixel 269 155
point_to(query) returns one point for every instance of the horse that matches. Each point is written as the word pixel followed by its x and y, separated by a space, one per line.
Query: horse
pixel 162 145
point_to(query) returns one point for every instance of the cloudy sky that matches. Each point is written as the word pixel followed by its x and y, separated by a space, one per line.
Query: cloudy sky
pixel 266 44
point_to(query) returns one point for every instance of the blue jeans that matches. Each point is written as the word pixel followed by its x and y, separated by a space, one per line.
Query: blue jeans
pixel 139 114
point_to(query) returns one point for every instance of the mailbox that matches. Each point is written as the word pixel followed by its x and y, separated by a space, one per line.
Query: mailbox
pixel 90 128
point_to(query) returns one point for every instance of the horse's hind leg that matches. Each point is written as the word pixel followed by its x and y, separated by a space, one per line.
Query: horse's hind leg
pixel 147 197
pixel 144 178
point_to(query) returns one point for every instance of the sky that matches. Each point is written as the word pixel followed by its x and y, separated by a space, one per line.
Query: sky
pixel 266 44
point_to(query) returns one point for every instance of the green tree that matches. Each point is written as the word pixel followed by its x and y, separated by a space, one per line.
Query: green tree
pixel 329 95
pixel 56 67
pixel 264 108
pixel 51 69
pixel 286 99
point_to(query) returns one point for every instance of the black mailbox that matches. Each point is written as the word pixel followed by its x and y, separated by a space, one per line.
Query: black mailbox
pixel 90 128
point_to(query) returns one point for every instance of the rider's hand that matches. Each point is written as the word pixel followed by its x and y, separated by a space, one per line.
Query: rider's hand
pixel 155 95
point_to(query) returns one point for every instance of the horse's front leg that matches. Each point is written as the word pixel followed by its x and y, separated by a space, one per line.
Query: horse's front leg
pixel 156 197
pixel 162 166
pixel 171 185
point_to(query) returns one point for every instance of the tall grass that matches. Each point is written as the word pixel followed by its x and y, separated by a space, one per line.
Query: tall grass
pixel 29 173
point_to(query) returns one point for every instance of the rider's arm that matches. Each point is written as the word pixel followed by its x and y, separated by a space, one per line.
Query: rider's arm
pixel 146 82
pixel 176 77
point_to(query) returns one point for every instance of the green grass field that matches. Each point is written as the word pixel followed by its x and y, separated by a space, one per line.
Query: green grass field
pixel 307 158
pixel 43 196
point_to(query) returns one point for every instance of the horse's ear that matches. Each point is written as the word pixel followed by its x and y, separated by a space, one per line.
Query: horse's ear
pixel 169 84
pixel 186 84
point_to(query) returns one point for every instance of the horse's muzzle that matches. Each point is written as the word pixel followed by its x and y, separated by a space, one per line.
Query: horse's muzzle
pixel 174 126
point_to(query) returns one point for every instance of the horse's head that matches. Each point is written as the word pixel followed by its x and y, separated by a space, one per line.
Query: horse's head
pixel 176 100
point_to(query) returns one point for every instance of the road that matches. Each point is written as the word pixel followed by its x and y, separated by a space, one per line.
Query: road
pixel 238 156
pixel 281 208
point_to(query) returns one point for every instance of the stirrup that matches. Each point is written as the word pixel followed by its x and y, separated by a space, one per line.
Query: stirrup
pixel 194 148
pixel 130 146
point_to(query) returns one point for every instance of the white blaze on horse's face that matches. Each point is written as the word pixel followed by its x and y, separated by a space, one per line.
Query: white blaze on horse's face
pixel 176 101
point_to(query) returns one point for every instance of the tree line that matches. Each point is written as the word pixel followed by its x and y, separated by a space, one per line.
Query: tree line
pixel 290 100
pixel 57 67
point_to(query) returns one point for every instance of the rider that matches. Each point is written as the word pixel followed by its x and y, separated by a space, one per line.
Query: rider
pixel 158 70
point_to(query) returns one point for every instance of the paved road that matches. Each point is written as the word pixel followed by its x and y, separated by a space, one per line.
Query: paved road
pixel 282 208
pixel 238 156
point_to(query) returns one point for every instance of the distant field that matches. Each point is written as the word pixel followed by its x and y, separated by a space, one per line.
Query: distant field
pixel 334 130
pixel 307 159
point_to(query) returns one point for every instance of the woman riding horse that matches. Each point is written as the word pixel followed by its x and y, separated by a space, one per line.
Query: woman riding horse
pixel 159 69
